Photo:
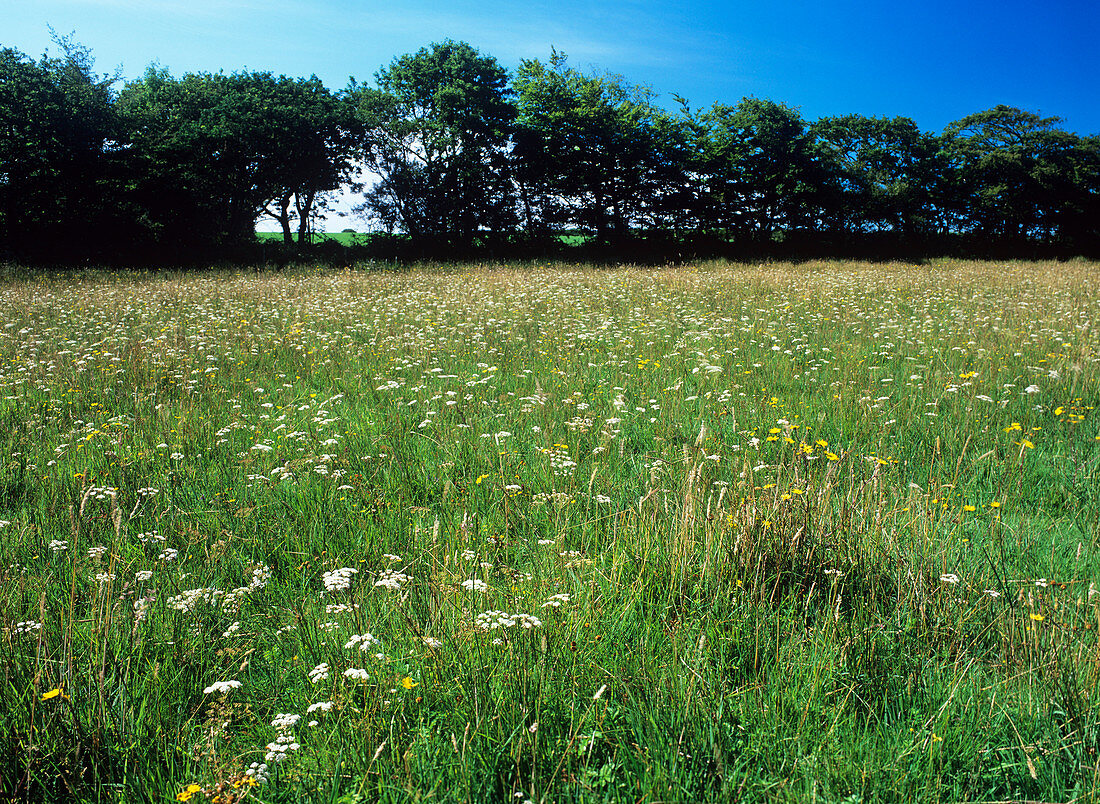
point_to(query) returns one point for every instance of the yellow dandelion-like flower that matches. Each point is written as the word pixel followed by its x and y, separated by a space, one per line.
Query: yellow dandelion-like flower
pixel 994 504
pixel 1038 617
pixel 46 696
pixel 969 508
pixel 188 792
pixel 408 683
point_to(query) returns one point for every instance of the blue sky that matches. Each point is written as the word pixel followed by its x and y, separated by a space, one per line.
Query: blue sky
pixel 933 61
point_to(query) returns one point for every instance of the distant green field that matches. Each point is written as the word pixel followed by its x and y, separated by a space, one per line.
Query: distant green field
pixel 351 238
pixel 347 238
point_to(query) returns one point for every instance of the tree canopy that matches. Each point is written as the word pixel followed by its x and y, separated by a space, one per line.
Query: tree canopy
pixel 449 151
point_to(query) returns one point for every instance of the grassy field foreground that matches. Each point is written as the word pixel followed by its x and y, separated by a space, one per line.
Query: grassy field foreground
pixel 781 532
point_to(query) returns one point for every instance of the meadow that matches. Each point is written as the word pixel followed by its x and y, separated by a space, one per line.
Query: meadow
pixel 545 533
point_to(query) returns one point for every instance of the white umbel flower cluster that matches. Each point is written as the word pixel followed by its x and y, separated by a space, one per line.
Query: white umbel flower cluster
pixel 222 687
pixel 491 620
pixel 283 745
pixel 338 580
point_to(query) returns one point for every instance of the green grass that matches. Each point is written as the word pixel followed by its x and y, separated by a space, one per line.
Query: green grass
pixel 784 532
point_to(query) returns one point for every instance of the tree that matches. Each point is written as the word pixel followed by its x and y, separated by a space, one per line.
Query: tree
pixel 592 151
pixel 997 159
pixel 888 169
pixel 760 168
pixel 437 131
pixel 211 153
pixel 56 128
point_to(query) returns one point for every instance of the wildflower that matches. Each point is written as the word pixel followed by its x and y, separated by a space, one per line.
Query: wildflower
pixel 188 792
pixel 143 575
pixel 408 683
pixel 259 772
pixel 222 687
pixel 431 642
pixel 357 674
pixel 319 673
pixel 475 585
pixel 364 641
pixel 47 696
pixel 1037 617
pixel 391 579
pixel 338 580
pixel 323 706
pixel 58 545
pixel 969 508
pixel 949 578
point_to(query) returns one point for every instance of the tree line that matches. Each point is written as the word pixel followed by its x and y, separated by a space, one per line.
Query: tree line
pixel 452 155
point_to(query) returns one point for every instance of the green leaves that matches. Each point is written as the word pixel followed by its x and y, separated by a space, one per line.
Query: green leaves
pixel 436 132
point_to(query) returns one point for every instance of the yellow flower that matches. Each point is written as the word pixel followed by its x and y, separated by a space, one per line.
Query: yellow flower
pixel 480 478
pixel 1037 618
pixel 408 683
pixel 188 792
pixel 51 694
pixel 1058 411
pixel 994 504
pixel 832 456
pixel 969 508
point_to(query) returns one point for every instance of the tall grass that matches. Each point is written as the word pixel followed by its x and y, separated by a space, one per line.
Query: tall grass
pixel 537 533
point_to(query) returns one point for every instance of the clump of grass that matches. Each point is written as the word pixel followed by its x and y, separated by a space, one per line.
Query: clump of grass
pixel 551 533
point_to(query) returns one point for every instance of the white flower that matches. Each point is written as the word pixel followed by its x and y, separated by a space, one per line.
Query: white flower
pixel 949 578
pixel 391 579
pixel 1031 389
pixel 475 585
pixel 338 580
pixel 143 575
pixel 356 673
pixel 285 721
pixel 364 641
pixel 319 673
pixel 222 687
pixel 323 706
